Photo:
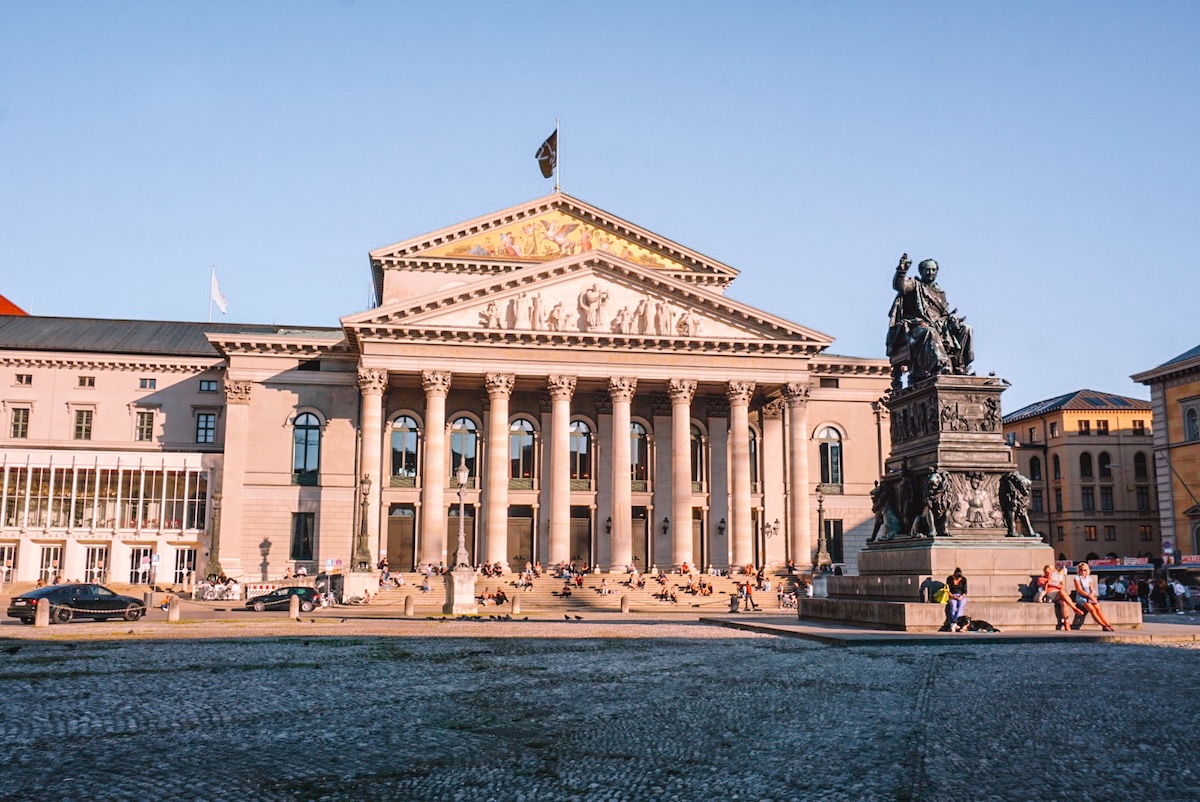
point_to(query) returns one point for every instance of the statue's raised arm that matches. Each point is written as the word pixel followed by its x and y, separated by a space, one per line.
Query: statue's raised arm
pixel 925 337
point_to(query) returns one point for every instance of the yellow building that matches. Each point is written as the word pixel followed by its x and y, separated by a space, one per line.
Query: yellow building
pixel 1175 397
pixel 1089 457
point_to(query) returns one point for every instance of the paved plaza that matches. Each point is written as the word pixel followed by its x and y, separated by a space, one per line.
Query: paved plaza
pixel 582 710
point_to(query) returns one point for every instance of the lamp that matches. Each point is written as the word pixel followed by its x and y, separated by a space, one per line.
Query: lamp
pixel 666 525
pixel 721 528
pixel 823 561
pixel 362 552
pixel 608 526
pixel 462 474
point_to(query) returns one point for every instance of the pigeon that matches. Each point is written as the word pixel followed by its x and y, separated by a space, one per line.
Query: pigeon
pixel 526 618
pixel 567 617
pixel 130 632
pixel 343 620
pixel 578 618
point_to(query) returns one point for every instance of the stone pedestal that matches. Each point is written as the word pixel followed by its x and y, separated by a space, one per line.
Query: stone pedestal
pixel 356 582
pixel 460 592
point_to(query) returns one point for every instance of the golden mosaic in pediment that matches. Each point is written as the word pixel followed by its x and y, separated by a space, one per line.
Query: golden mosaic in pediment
pixel 550 236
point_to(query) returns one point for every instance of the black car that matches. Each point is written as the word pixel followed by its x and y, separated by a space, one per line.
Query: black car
pixel 278 599
pixel 76 601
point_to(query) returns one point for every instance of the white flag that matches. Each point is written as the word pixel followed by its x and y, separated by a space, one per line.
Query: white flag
pixel 216 297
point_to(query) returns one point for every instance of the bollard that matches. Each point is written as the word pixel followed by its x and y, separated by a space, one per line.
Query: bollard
pixel 148 598
pixel 294 607
pixel 624 602
pixel 408 606
pixel 173 608
pixel 516 606
pixel 733 603
pixel 41 616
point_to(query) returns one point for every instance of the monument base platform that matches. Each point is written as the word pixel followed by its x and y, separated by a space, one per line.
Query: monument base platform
pixel 927 617
pixel 460 593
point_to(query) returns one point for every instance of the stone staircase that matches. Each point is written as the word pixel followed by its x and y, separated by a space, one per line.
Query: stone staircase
pixel 545 597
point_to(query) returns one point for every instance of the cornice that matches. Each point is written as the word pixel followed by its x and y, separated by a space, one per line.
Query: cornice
pixel 140 365
pixel 593 341
pixel 1174 372
pixel 292 346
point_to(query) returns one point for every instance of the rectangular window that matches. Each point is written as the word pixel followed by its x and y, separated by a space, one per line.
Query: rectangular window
pixel 1145 532
pixel 1035 499
pixel 833 536
pixel 1058 499
pixel 83 424
pixel 25 379
pixel 1032 434
pixel 303 526
pixel 1143 499
pixel 145 427
pixel 1054 429
pixel 1139 428
pixel 1102 427
pixel 1110 533
pixel 828 383
pixel 208 385
pixel 87 381
pixel 147 384
pixel 1061 534
pixel 20 423
pixel 206 427
pixel 1085 427
pixel 1106 499
pixel 1089 533
pixel 1089 499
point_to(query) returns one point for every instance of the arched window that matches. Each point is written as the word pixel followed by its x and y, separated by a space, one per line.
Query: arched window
pixel 639 452
pixel 1035 469
pixel 1104 463
pixel 1140 468
pixel 1085 465
pixel 1191 424
pixel 581 450
pixel 464 446
pixel 306 449
pixel 520 450
pixel 831 456
pixel 753 461
pixel 1057 467
pixel 699 468
pixel 406 437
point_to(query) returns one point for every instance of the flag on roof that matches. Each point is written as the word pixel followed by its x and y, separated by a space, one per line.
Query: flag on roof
pixel 547 155
pixel 216 296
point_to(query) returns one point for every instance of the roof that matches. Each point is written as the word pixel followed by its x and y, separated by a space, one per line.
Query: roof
pixel 7 307
pixel 1187 362
pixel 1089 400
pixel 160 337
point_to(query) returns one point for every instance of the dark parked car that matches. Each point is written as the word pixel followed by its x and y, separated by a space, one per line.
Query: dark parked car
pixel 76 601
pixel 278 599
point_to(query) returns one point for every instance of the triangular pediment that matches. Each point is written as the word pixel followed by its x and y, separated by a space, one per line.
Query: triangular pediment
pixel 548 229
pixel 587 297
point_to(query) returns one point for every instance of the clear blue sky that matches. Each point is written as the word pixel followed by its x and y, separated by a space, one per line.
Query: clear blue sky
pixel 1044 154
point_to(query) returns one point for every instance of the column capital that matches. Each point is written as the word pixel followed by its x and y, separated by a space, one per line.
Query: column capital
pixel 622 388
pixel 681 390
pixel 435 382
pixel 739 393
pixel 881 409
pixel 773 410
pixel 237 391
pixel 797 393
pixel 499 385
pixel 372 381
pixel 561 387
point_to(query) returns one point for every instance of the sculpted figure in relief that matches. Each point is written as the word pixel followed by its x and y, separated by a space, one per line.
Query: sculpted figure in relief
pixel 556 319
pixel 663 318
pixel 1014 503
pixel 622 320
pixel 536 313
pixel 641 317
pixel 689 324
pixel 592 301
pixel 491 317
pixel 520 306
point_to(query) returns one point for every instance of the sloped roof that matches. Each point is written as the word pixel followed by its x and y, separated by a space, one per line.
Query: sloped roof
pixel 158 337
pixel 1079 400
pixel 7 307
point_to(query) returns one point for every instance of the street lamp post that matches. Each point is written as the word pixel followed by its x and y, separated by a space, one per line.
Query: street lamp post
pixel 823 561
pixel 362 551
pixel 214 552
pixel 461 558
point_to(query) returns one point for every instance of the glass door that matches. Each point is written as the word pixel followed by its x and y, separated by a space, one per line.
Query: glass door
pixel 94 567
pixel 51 559
pixel 139 565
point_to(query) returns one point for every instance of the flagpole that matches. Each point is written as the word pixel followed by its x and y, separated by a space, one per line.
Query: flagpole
pixel 211 276
pixel 558 157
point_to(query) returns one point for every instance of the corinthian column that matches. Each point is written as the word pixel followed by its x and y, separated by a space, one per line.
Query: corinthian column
pixel 561 389
pixel 372 383
pixel 433 473
pixel 742 536
pixel 233 479
pixel 499 389
pixel 800 531
pixel 621 391
pixel 681 392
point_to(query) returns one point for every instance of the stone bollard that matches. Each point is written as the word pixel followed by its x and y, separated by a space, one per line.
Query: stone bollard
pixel 733 603
pixel 41 615
pixel 173 608
pixel 148 598
pixel 624 602
pixel 516 605
pixel 409 606
pixel 294 607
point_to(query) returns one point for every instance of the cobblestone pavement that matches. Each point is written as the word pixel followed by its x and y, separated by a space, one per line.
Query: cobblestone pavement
pixel 416 710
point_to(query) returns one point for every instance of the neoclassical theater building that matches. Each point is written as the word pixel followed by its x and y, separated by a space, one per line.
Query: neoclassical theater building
pixel 610 403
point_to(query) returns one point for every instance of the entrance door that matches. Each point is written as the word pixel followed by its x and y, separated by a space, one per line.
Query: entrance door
pixel 581 535
pixel 699 557
pixel 51 560
pixel 520 536
pixel 401 537
pixel 8 562
pixel 641 537
pixel 185 564
pixel 139 565
pixel 94 566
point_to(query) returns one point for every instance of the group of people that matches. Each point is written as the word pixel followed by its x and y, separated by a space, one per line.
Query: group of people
pixel 497 597
pixel 1159 595
pixel 1078 600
